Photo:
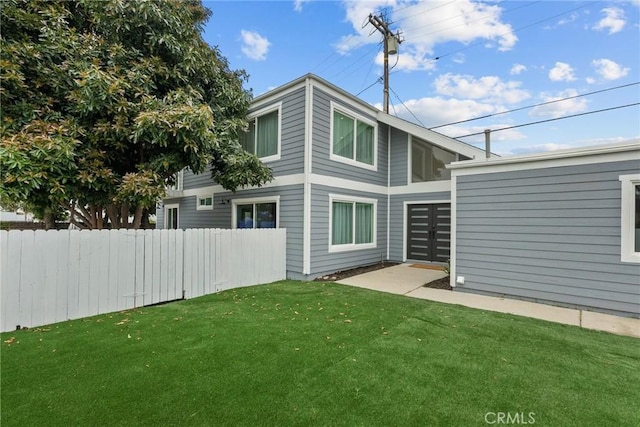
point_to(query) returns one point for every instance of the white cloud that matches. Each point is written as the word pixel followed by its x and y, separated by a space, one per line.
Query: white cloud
pixel 427 24
pixel 487 88
pixel 254 46
pixel 297 4
pixel 436 111
pixel 613 21
pixel 609 70
pixel 560 108
pixel 562 72
pixel 517 69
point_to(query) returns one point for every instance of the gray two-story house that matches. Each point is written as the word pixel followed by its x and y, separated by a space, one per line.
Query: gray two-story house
pixel 352 185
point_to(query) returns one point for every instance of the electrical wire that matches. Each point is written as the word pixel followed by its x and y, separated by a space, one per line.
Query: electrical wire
pixel 510 32
pixel 554 119
pixel 407 108
pixel 379 80
pixel 535 105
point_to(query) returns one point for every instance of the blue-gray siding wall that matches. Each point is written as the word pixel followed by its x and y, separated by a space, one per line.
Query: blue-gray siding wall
pixel 291 216
pixel 322 164
pixel 549 234
pixel 397 219
pixel 292 141
pixel 399 158
pixel 324 262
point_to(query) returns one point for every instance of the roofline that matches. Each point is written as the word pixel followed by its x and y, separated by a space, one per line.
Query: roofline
pixel 396 122
pixel 622 152
pixel 573 153
pixel 432 136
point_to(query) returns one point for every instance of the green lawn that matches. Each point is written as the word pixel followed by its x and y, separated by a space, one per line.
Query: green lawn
pixel 295 353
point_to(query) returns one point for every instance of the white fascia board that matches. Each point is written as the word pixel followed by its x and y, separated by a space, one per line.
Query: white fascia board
pixel 570 157
pixel 421 187
pixel 273 95
pixel 279 181
pixel 347 184
pixel 433 137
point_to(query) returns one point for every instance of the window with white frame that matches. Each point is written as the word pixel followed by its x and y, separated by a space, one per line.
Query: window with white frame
pixel 630 219
pixel 352 223
pixel 171 216
pixel 204 203
pixel 428 162
pixel 353 139
pixel 263 136
pixel 256 213
pixel 177 181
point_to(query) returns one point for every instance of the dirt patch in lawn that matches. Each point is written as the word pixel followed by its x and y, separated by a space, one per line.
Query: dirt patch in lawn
pixel 343 274
pixel 443 283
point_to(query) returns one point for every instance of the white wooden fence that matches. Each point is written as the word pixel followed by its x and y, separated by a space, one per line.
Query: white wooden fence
pixel 57 275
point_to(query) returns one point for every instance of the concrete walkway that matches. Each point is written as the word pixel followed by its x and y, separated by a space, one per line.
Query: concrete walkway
pixel 406 280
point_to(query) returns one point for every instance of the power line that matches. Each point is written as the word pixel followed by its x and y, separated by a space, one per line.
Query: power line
pixel 509 32
pixel 379 80
pixel 535 105
pixel 407 108
pixel 554 119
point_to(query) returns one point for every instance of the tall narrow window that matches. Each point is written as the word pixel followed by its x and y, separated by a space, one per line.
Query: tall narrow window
pixel 171 216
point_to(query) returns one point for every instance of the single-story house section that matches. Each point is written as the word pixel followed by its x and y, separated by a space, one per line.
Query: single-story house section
pixel 560 227
pixel 352 185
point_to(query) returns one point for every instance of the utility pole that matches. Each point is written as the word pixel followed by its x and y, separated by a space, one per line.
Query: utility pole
pixel 391 42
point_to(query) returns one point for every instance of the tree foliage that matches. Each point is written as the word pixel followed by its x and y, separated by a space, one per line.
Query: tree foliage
pixel 103 102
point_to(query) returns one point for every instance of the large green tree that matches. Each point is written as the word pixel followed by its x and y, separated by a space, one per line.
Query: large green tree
pixel 103 102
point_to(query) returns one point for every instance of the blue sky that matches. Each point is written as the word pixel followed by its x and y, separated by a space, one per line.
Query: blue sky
pixel 492 57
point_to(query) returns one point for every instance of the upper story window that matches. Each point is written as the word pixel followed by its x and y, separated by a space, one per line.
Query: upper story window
pixel 428 162
pixel 263 136
pixel 353 139
pixel 630 219
pixel 178 179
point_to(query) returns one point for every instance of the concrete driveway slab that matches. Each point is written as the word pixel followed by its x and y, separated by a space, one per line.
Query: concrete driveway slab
pixel 403 279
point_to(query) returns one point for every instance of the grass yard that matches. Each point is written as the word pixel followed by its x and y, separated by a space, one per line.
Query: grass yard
pixel 297 353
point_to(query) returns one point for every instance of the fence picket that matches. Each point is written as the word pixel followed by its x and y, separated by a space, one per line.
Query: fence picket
pixel 51 276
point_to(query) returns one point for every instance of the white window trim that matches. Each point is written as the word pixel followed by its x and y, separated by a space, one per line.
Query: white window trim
pixel 254 116
pixel 627 218
pixel 357 117
pixel 352 246
pixel 200 207
pixel 254 200
pixel 171 206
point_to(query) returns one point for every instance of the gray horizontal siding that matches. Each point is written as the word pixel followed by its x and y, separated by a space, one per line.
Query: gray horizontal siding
pixel 399 158
pixel 291 216
pixel 322 164
pixel 292 142
pixel 292 134
pixel 548 234
pixel 324 262
pixel 397 219
pixel 191 180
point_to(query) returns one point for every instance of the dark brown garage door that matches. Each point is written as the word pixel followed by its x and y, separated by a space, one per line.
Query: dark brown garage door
pixel 429 232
